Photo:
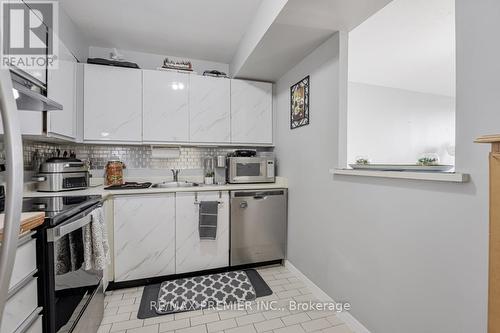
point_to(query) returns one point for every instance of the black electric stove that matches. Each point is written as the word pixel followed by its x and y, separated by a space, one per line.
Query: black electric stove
pixel 71 297
pixel 59 208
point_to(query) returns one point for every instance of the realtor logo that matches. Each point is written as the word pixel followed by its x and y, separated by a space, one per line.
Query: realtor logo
pixel 27 36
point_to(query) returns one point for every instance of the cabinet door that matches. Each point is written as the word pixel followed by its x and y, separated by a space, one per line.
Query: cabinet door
pixel 144 236
pixel 165 106
pixel 251 112
pixel 112 104
pixel 61 87
pixel 209 109
pixel 193 254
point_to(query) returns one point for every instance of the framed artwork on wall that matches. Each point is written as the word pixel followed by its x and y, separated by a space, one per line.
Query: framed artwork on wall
pixel 299 103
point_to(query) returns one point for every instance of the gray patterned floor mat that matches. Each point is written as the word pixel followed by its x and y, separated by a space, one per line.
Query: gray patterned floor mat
pixel 148 307
pixel 205 291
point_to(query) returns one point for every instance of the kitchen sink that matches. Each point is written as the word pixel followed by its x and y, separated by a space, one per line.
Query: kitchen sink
pixel 175 184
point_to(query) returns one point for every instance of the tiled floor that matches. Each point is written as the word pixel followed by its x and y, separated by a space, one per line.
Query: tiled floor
pixel 121 313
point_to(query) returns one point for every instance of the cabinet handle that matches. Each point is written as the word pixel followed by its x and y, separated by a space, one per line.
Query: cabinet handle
pixel 219 202
pixel 38 178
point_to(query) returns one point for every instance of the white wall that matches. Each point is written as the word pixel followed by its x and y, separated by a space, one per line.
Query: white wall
pixel 410 256
pixel 391 125
pixel 72 37
pixel 153 61
pixel 408 44
pixel 263 19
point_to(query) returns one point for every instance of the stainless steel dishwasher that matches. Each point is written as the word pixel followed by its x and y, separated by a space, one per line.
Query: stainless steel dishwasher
pixel 258 226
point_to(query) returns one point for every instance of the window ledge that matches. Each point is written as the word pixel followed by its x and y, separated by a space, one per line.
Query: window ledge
pixel 451 177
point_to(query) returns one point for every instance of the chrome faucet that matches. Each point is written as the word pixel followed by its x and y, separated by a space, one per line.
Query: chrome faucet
pixel 175 174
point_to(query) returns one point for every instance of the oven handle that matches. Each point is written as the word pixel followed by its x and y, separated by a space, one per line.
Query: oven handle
pixel 56 233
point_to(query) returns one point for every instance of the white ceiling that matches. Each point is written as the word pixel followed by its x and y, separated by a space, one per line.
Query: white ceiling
pixel 409 44
pixel 329 14
pixel 300 27
pixel 282 47
pixel 201 29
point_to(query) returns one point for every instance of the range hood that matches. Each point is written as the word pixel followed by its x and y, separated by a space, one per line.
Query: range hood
pixel 29 93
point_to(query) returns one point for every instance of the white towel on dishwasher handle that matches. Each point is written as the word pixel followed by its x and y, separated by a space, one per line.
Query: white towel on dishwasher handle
pixel 96 245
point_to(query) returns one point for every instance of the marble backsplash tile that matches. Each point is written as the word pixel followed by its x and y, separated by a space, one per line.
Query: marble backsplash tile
pixel 134 157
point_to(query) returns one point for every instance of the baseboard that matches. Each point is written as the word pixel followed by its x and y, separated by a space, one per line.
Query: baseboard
pixel 346 317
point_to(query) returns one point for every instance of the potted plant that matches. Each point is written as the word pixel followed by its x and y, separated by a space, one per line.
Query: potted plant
pixel 209 177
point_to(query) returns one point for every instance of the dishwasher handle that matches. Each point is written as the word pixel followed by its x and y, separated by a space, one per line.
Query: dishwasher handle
pixel 258 194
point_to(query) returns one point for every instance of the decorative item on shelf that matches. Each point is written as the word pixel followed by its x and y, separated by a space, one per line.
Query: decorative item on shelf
pixel 116 56
pixel 215 73
pixel 428 159
pixel 111 62
pixel 182 66
pixel 362 160
pixel 299 103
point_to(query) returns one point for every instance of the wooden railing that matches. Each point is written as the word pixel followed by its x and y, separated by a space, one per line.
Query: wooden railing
pixel 494 251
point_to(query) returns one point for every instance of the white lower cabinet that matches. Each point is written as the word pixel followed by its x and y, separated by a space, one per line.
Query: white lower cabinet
pixel 36 327
pixel 192 253
pixel 25 262
pixel 144 236
pixel 20 306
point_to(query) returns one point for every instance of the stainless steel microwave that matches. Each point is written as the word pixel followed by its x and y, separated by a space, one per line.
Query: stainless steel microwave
pixel 250 170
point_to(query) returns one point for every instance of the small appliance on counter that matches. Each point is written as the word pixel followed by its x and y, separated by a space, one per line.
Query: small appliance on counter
pixel 243 153
pixel 208 170
pixel 246 167
pixel 220 170
pixel 113 172
pixel 62 174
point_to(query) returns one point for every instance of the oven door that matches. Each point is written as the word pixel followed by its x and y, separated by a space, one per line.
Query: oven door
pixel 247 170
pixel 71 287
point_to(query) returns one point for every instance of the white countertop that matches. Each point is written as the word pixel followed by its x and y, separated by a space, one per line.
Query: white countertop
pixel 99 189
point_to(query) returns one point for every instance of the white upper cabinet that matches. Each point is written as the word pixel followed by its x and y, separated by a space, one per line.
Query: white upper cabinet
pixel 133 106
pixel 61 87
pixel 209 109
pixel 112 104
pixel 251 112
pixel 165 106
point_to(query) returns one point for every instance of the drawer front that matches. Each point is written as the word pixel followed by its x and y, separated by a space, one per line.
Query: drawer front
pixel 36 327
pixel 25 262
pixel 33 324
pixel 19 307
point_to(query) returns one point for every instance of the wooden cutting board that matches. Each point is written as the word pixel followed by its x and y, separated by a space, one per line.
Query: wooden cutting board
pixel 29 221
